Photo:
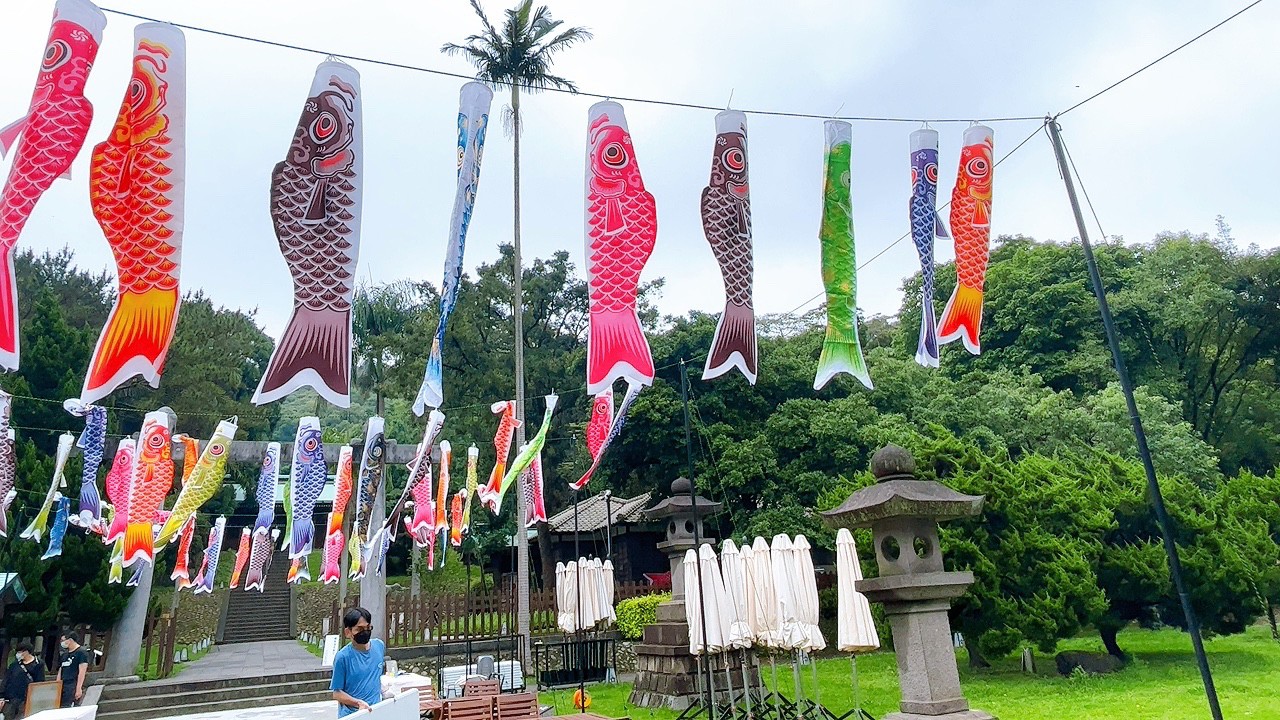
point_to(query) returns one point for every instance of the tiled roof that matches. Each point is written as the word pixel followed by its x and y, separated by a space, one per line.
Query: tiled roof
pixel 591 513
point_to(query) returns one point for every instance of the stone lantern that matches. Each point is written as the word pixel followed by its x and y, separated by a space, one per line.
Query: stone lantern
pixel 903 514
pixel 666 673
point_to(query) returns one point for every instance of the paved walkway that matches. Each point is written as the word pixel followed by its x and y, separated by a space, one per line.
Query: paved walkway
pixel 246 660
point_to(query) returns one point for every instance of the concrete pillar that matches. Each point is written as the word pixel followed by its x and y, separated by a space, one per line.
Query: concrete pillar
pixel 126 637
pixel 373 586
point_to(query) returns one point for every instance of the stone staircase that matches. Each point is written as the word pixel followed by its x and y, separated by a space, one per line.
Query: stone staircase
pixel 144 701
pixel 251 616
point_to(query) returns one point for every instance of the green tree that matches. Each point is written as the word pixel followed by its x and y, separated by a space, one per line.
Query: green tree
pixel 519 56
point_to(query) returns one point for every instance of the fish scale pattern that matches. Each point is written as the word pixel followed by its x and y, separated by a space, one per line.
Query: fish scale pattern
pixel 617 258
pixel 53 135
pixel 727 221
pixel 318 254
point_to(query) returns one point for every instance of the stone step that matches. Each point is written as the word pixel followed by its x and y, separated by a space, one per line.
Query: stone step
pixel 191 697
pixel 133 690
pixel 132 713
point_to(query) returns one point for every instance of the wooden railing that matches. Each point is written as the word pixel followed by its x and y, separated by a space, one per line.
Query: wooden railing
pixel 486 615
pixel 159 642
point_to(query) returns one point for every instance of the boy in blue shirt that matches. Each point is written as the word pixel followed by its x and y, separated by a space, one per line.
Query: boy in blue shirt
pixel 357 669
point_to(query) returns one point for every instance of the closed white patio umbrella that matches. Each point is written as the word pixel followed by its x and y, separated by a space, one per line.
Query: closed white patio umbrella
pixel 735 589
pixel 807 594
pixel 785 586
pixel 763 603
pixel 714 601
pixel 573 622
pixel 766 628
pixel 587 586
pixel 857 630
pixel 693 603
pixel 740 635
pixel 563 601
pixel 607 573
pixel 600 597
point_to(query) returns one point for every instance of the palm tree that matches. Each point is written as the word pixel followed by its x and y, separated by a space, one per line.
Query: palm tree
pixel 519 56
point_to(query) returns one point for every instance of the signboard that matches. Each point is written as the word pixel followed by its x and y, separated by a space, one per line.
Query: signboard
pixel 330 650
pixel 43 696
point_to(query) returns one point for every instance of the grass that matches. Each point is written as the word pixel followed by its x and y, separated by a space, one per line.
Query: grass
pixel 152 672
pixel 1162 683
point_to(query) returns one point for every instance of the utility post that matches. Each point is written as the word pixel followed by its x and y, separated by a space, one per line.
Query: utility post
pixel 1144 452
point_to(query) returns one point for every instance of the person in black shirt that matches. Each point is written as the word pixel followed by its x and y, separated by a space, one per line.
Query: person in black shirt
pixel 24 671
pixel 72 669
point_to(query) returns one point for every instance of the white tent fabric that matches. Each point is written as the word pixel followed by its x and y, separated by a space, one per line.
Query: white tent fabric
pixel 807 594
pixel 563 621
pixel 857 631
pixel 762 602
pixel 740 635
pixel 715 602
pixel 692 603
pixel 785 585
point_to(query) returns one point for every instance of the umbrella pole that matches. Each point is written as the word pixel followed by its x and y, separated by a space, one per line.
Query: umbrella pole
pixel 817 692
pixel 857 696
pixel 795 673
pixel 777 702
pixel 728 679
pixel 746 682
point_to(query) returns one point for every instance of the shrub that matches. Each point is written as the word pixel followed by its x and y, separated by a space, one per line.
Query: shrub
pixel 634 613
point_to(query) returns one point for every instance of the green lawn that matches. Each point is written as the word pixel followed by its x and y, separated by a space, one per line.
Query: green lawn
pixel 1162 683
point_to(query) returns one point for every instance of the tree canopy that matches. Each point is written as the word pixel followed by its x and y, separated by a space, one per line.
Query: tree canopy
pixel 1035 423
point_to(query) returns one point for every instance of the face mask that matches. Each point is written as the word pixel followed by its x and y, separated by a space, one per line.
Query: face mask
pixel 65 645
pixel 362 637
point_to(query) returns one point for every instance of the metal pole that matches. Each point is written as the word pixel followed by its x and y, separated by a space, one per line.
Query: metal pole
pixel 1144 452
pixel 577 621
pixel 697 534
pixel 608 525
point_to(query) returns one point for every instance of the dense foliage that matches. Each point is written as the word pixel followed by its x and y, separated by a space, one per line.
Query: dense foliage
pixel 1036 423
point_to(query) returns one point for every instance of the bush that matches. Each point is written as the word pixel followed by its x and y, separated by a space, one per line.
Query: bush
pixel 634 613
pixel 828 603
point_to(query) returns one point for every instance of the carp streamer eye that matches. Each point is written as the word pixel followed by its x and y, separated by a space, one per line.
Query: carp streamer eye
pixel 734 159
pixel 615 155
pixel 155 441
pixel 310 444
pixel 977 167
pixel 844 178
pixel 137 93
pixel 217 450
pixel 266 462
pixel 55 55
pixel 324 128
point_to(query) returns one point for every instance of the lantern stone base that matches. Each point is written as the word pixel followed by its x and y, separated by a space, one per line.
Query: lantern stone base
pixel 965 715
pixel 667 675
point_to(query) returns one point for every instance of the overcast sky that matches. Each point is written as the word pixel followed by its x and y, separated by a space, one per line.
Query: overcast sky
pixel 1187 140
